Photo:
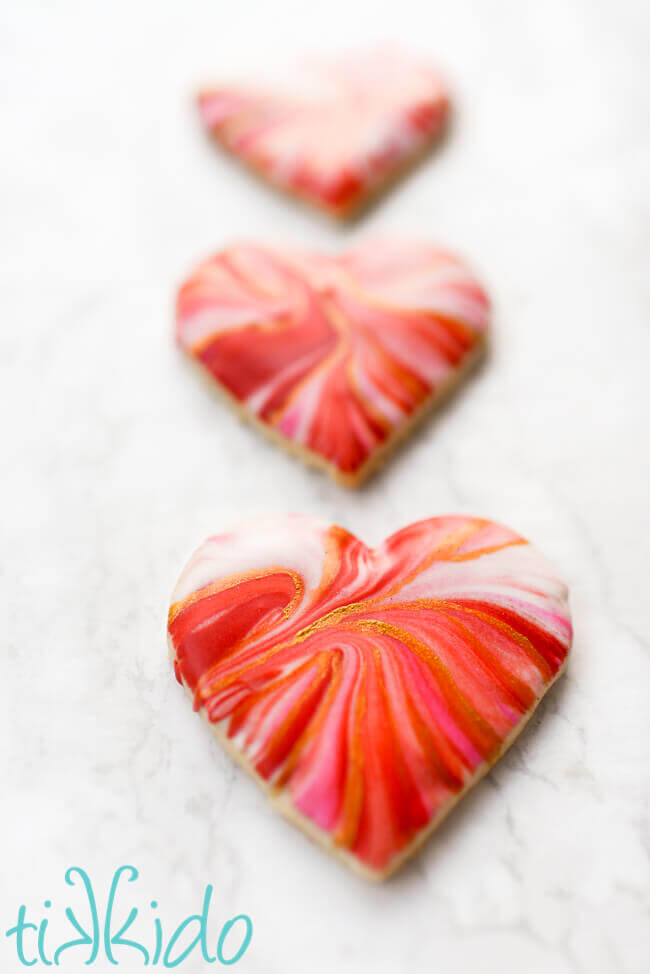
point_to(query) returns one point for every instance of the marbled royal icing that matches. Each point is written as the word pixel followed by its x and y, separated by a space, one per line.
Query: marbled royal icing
pixel 335 132
pixel 333 353
pixel 368 688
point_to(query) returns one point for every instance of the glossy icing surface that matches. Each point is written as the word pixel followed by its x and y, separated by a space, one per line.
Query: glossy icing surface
pixel 368 687
pixel 334 353
pixel 335 132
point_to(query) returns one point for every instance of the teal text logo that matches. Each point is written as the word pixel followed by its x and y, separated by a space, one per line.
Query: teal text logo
pixel 112 934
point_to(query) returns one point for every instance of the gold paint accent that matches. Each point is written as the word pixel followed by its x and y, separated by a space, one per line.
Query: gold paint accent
pixel 313 727
pixel 489 662
pixel 446 682
pixel 346 832
pixel 522 641
pixel 231 581
pixel 322 664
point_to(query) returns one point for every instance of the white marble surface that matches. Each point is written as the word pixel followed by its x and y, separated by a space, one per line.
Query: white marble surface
pixel 115 463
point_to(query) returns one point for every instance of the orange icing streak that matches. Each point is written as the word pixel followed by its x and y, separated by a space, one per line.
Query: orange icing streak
pixel 367 687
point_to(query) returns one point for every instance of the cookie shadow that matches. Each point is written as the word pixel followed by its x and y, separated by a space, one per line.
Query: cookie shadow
pixel 471 806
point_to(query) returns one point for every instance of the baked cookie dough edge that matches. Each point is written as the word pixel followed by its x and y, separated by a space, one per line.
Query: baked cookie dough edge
pixel 281 801
pixel 381 454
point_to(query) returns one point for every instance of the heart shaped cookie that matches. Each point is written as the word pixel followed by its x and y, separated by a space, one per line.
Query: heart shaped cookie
pixel 336 357
pixel 332 133
pixel 368 689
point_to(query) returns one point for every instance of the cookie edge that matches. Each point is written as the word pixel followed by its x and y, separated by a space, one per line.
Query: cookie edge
pixel 382 453
pixel 365 199
pixel 281 802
